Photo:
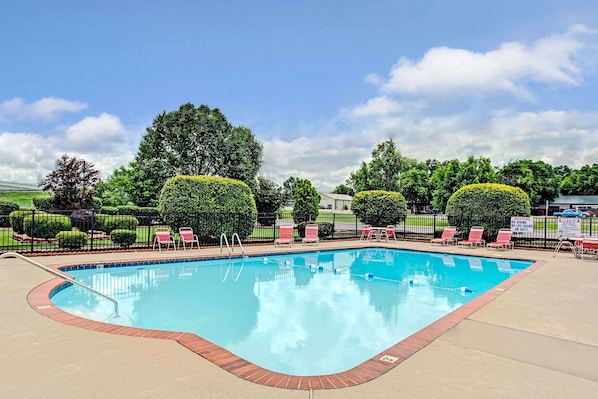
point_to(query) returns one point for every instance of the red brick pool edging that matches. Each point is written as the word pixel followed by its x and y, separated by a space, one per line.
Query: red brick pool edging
pixel 39 300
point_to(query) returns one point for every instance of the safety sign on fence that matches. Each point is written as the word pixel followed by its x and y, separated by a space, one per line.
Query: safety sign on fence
pixel 522 224
pixel 569 227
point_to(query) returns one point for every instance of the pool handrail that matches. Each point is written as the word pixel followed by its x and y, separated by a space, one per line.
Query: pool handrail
pixel 61 275
pixel 224 240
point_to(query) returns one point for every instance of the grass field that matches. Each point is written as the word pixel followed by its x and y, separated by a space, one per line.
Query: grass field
pixel 23 198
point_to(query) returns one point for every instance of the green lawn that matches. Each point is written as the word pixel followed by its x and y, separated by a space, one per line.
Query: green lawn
pixel 23 198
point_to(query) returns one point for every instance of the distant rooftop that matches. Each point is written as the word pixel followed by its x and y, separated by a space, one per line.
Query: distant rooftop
pixel 17 186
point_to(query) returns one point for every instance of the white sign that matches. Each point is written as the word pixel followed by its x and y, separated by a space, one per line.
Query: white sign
pixel 522 224
pixel 569 227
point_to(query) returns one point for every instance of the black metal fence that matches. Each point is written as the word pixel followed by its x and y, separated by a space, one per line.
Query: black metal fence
pixel 35 231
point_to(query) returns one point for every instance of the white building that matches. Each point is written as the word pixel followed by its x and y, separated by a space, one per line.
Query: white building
pixel 335 202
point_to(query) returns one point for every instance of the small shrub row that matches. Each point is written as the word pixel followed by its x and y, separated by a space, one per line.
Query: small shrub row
pixel 6 207
pixel 325 229
pixel 71 239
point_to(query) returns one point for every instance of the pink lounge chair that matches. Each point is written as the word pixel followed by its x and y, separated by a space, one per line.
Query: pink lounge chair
pixel 285 235
pixel 187 236
pixel 448 236
pixel 163 238
pixel 503 240
pixel 388 233
pixel 475 238
pixel 311 234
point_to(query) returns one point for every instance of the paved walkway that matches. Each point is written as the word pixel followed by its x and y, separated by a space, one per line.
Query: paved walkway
pixel 539 339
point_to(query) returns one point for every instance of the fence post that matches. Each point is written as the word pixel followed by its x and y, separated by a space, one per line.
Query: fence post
pixel 93 218
pixel 31 232
pixel 333 224
pixel 546 232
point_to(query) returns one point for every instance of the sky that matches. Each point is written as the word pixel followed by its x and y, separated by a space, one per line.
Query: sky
pixel 319 83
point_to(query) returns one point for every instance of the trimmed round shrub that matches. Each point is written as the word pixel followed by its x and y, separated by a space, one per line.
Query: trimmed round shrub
pixel 379 208
pixel 43 203
pixel 325 229
pixel 490 205
pixel 109 210
pixel 16 219
pixel 71 239
pixel 46 225
pixel 123 237
pixel 114 222
pixel 6 207
pixel 144 215
pixel 210 205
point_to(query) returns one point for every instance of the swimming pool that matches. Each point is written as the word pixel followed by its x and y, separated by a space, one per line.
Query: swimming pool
pixel 299 314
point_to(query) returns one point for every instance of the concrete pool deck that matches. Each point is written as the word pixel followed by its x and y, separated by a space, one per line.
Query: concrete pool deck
pixel 539 338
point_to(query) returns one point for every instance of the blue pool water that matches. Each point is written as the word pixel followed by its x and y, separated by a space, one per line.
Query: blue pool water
pixel 301 314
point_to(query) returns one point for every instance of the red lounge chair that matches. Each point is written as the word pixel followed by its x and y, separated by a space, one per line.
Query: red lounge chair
pixel 188 237
pixel 475 238
pixel 163 237
pixel 311 234
pixel 388 233
pixel 448 237
pixel 503 240
pixel 366 233
pixel 285 235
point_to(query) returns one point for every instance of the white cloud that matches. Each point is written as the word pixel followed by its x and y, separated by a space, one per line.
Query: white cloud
pixel 45 108
pixel 95 133
pixel 101 140
pixel 446 72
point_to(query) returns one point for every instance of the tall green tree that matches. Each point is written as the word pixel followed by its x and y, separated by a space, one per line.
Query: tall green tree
pixel 307 201
pixel 119 187
pixel 73 183
pixel 452 175
pixel 343 189
pixel 581 182
pixel 538 179
pixel 384 171
pixel 416 186
pixel 269 198
pixel 194 141
pixel 289 187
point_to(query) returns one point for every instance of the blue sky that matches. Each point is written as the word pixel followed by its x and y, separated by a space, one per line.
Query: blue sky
pixel 319 83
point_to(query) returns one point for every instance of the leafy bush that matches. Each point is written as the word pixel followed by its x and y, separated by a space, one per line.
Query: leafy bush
pixel 489 205
pixel 325 229
pixel 46 225
pixel 109 210
pixel 123 237
pixel 71 239
pixel 84 220
pixel 143 214
pixel 16 219
pixel 6 207
pixel 43 203
pixel 114 222
pixel 306 201
pixel 210 205
pixel 379 208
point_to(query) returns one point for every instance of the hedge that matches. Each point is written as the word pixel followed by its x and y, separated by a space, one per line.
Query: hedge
pixel 6 207
pixel 110 223
pixel 210 205
pixel 45 225
pixel 71 239
pixel 123 237
pixel 379 208
pixel 490 205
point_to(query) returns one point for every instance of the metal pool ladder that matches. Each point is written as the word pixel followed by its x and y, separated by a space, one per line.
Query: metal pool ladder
pixel 231 248
pixel 61 275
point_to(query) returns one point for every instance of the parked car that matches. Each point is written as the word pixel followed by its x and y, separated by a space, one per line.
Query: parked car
pixel 571 213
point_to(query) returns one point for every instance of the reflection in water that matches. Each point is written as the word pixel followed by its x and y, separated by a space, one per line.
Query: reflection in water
pixel 302 314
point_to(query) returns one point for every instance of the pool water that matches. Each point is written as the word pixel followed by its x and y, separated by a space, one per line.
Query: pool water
pixel 301 314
